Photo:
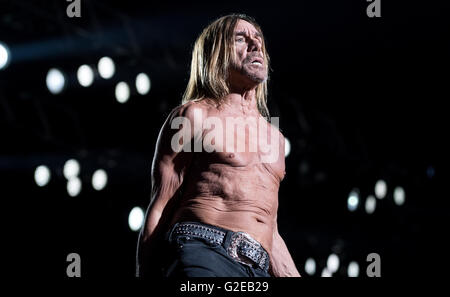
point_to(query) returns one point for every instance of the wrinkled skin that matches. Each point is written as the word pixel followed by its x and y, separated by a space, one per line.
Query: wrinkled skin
pixel 228 188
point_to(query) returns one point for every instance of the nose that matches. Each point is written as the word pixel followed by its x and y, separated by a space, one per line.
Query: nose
pixel 254 45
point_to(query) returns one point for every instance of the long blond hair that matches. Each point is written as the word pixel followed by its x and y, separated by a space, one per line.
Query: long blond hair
pixel 211 58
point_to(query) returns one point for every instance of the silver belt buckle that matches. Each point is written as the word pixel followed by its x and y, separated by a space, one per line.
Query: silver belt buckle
pixel 236 240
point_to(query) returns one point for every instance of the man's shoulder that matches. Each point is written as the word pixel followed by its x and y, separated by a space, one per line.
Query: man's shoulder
pixel 192 110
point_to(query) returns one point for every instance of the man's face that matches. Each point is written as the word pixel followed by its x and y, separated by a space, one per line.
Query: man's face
pixel 248 65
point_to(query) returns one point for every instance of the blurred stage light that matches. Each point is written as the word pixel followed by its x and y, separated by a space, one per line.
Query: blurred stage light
pixel 353 269
pixel 106 67
pixel 380 189
pixel 333 263
pixel 371 203
pixel 71 168
pixel 73 186
pixel 326 272
pixel 4 56
pixel 353 200
pixel 310 266
pixel 399 195
pixel 122 92
pixel 136 218
pixel 430 172
pixel 287 147
pixel 55 81
pixel 99 179
pixel 143 83
pixel 304 167
pixel 85 75
pixel 42 175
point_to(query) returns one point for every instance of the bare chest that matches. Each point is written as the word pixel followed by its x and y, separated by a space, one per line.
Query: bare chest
pixel 243 142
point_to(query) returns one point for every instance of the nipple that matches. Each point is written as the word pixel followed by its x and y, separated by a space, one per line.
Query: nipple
pixel 231 155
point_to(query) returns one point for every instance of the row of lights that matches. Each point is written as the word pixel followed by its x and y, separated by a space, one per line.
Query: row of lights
pixel 71 171
pixel 56 80
pixel 56 83
pixel 371 201
pixel 331 267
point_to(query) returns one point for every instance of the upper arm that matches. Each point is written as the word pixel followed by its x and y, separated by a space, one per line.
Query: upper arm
pixel 171 161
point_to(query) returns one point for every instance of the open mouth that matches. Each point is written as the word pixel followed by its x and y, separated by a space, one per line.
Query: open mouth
pixel 257 61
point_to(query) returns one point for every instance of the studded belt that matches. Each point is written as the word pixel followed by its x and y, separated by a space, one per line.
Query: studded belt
pixel 241 246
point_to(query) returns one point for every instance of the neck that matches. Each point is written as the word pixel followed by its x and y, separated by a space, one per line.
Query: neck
pixel 245 100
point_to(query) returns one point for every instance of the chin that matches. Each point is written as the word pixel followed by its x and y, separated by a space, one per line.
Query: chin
pixel 257 77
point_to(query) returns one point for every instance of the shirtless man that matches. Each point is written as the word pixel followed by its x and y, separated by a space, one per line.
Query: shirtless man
pixel 214 212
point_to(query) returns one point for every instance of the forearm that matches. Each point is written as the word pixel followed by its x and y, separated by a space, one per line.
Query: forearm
pixel 281 262
pixel 164 189
pixel 157 220
pixel 149 246
pixel 153 218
